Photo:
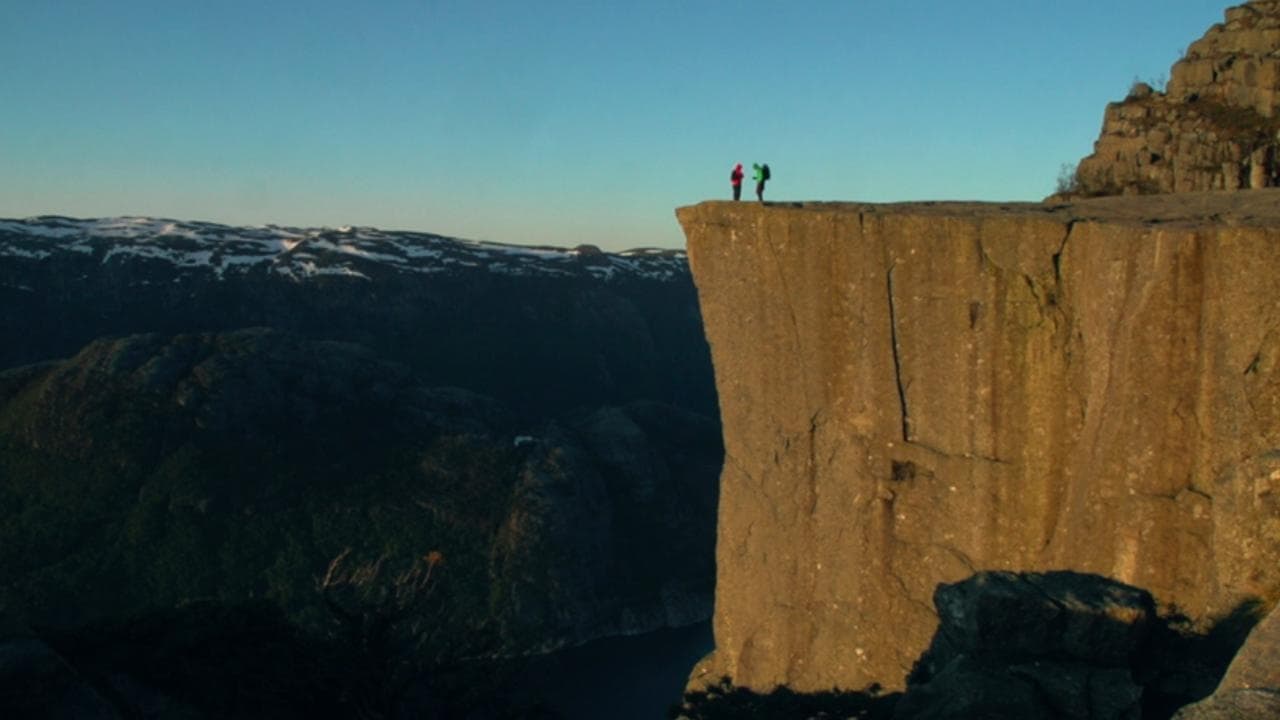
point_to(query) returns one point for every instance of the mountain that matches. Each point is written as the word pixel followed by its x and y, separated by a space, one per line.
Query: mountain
pixel 151 470
pixel 544 330
pixel 196 412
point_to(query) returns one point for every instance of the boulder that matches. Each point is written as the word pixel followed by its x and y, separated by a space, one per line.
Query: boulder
pixel 1251 688
pixel 1257 665
pixel 1032 645
pixel 1057 615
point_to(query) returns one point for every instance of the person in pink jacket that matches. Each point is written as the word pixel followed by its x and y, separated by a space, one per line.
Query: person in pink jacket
pixel 735 179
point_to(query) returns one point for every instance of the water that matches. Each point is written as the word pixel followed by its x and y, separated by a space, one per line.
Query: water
pixel 624 678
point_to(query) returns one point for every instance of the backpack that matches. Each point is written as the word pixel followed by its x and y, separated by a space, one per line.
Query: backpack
pixel 764 171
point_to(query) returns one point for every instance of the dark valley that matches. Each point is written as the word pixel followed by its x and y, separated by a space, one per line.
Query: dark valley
pixel 196 420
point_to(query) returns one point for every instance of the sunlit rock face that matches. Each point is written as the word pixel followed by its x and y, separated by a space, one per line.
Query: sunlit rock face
pixel 1216 125
pixel 914 393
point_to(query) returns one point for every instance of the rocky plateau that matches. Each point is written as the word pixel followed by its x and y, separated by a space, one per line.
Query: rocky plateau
pixel 913 394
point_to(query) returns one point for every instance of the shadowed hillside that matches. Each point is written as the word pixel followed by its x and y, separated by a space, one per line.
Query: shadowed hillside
pixel 149 471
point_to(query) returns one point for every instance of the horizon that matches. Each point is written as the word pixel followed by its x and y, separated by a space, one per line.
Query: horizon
pixel 558 126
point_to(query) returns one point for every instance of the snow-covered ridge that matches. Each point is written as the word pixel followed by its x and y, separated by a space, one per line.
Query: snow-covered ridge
pixel 301 253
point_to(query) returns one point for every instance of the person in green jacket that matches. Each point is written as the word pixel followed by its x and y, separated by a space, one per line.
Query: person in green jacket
pixel 760 176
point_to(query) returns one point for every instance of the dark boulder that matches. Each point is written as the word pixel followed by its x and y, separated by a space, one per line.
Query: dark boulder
pixel 1032 645
pixel 1251 687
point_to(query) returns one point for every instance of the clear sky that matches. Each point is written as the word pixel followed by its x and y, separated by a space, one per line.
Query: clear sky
pixel 553 122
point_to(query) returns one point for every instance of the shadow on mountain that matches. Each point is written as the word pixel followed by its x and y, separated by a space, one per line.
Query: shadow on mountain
pixel 170 502
pixel 151 471
pixel 1061 645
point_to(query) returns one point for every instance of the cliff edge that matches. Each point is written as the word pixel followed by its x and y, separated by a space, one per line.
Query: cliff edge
pixel 914 393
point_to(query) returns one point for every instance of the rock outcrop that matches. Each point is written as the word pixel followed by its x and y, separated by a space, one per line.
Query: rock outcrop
pixel 1215 128
pixel 1057 645
pixel 1251 687
pixel 914 393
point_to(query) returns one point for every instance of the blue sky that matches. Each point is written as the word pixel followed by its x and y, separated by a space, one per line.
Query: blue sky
pixel 553 122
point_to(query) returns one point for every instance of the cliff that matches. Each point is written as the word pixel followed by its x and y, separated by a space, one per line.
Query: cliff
pixel 1215 128
pixel 914 393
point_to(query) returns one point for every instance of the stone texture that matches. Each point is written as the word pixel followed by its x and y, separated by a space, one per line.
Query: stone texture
pixel 967 693
pixel 1059 615
pixel 1257 665
pixel 1055 644
pixel 1234 705
pixel 1251 687
pixel 914 393
pixel 1214 129
pixel 1236 60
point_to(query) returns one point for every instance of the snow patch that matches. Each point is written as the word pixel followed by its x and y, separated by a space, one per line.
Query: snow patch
pixel 300 253
pixel 15 251
pixel 350 249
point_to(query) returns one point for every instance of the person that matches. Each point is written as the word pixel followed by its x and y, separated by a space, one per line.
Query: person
pixel 735 179
pixel 761 174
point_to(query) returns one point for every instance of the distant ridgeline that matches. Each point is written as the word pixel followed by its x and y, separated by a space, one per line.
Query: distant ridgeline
pixel 1214 128
pixel 542 329
pixel 192 411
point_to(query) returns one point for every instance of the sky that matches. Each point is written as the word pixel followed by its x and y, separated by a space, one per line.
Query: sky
pixel 555 122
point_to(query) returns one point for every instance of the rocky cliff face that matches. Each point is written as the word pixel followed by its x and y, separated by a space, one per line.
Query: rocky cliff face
pixel 1214 129
pixel 914 393
pixel 1251 687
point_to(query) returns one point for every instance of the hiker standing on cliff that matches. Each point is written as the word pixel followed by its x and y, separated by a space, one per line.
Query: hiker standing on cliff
pixel 735 179
pixel 761 175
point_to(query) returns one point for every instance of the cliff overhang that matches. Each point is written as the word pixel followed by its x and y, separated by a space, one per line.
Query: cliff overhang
pixel 914 393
